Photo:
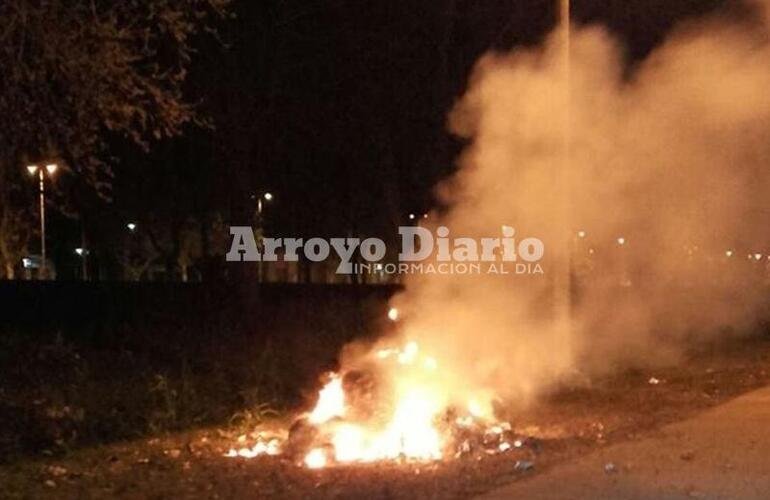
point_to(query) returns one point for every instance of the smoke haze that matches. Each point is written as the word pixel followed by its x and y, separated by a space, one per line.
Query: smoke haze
pixel 671 157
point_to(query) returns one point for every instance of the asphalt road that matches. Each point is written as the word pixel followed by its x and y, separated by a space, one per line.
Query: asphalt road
pixel 723 453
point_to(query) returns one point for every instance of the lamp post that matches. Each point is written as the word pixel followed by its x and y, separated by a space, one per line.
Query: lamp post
pixel 265 197
pixel 563 185
pixel 40 172
pixel 261 199
pixel 83 254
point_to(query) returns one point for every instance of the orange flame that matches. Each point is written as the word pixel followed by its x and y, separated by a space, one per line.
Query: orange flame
pixel 405 426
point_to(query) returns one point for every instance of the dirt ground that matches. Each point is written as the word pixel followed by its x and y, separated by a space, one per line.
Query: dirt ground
pixel 718 454
pixel 571 424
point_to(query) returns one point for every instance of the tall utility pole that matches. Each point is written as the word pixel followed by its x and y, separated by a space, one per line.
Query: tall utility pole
pixel 563 271
pixel 40 171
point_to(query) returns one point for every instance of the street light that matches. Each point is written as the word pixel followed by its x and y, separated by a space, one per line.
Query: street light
pixel 260 198
pixel 131 226
pixel 34 169
pixel 83 254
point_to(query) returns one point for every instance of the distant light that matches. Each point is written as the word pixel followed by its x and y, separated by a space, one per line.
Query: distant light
pixel 591 251
pixel 729 253
pixel 424 216
pixel 758 256
pixel 268 196
pixel 393 314
pixel 411 216
pixel 131 226
pixel 51 168
pixel 32 169
pixel 581 234
pixel 621 241
pixel 80 251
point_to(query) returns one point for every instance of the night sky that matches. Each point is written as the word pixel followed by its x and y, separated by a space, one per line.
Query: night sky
pixel 339 107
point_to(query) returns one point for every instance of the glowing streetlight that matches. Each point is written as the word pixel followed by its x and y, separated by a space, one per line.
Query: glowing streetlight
pixel 131 226
pixel 621 241
pixel 83 254
pixel 393 314
pixel 581 234
pixel 40 172
pixel 261 198
pixel 412 216
pixel 259 220
pixel 729 253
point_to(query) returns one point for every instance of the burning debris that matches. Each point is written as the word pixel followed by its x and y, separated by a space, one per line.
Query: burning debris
pixel 362 416
pixel 262 447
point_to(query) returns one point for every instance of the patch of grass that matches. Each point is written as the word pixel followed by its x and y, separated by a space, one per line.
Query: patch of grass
pixel 64 390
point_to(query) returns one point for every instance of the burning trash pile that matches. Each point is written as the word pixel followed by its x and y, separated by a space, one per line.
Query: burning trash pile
pixel 392 406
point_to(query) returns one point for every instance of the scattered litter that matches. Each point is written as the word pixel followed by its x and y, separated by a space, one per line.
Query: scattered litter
pixel 524 465
pixel 56 470
pixel 610 468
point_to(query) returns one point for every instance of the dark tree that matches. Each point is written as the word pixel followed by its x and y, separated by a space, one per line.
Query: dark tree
pixel 75 73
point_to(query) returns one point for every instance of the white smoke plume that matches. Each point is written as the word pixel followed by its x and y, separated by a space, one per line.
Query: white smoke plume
pixel 673 158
